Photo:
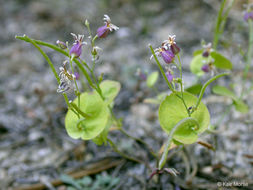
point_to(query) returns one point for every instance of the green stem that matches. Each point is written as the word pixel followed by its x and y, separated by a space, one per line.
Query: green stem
pixel 204 88
pixel 180 124
pixel 217 26
pixel 85 64
pixel 56 48
pixel 77 89
pixel 181 85
pixel 249 55
pixel 85 115
pixel 140 141
pixel 121 153
pixel 50 64
pixel 161 69
pixel 224 19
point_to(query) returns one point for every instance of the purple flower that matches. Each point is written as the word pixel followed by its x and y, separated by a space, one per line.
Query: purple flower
pixel 167 56
pixel 103 31
pixel 248 15
pixel 206 68
pixel 170 43
pixel 76 49
pixel 169 76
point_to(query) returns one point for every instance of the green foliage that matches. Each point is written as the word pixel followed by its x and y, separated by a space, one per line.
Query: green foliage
pixel 197 62
pixel 220 61
pixel 152 79
pixel 239 104
pixel 172 111
pixel 102 137
pixel 90 127
pixel 110 90
pixel 197 52
pixel 223 91
pixel 156 100
pixel 105 182
pixel 194 89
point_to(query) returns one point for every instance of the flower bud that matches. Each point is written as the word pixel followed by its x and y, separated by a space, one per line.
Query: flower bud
pixel 77 75
pixel 169 76
pixel 205 53
pixel 206 68
pixel 61 44
pixel 175 49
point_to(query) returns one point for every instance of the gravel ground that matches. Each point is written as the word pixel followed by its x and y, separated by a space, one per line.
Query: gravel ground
pixel 33 141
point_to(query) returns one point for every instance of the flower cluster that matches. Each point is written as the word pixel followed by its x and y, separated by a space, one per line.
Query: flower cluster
pixel 75 51
pixel 168 50
pixel 206 53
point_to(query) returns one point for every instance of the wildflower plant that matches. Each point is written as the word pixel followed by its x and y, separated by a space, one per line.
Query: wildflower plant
pixel 90 114
pixel 182 115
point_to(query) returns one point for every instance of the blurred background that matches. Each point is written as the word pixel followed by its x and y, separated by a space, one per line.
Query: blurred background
pixel 34 146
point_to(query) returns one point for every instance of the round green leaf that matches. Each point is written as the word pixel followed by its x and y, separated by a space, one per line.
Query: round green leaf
pixel 152 79
pixel 110 90
pixel 89 128
pixel 172 110
pixel 197 62
pixel 220 61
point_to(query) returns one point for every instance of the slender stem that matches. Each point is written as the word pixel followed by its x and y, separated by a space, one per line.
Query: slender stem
pixel 181 85
pixel 77 89
pixel 161 69
pixel 224 19
pixel 186 162
pixel 85 64
pixel 140 141
pixel 79 111
pixel 121 153
pixel 204 88
pixel 249 56
pixel 50 64
pixel 224 114
pixel 170 137
pixel 217 26
pixel 119 124
pixel 94 56
pixel 56 48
